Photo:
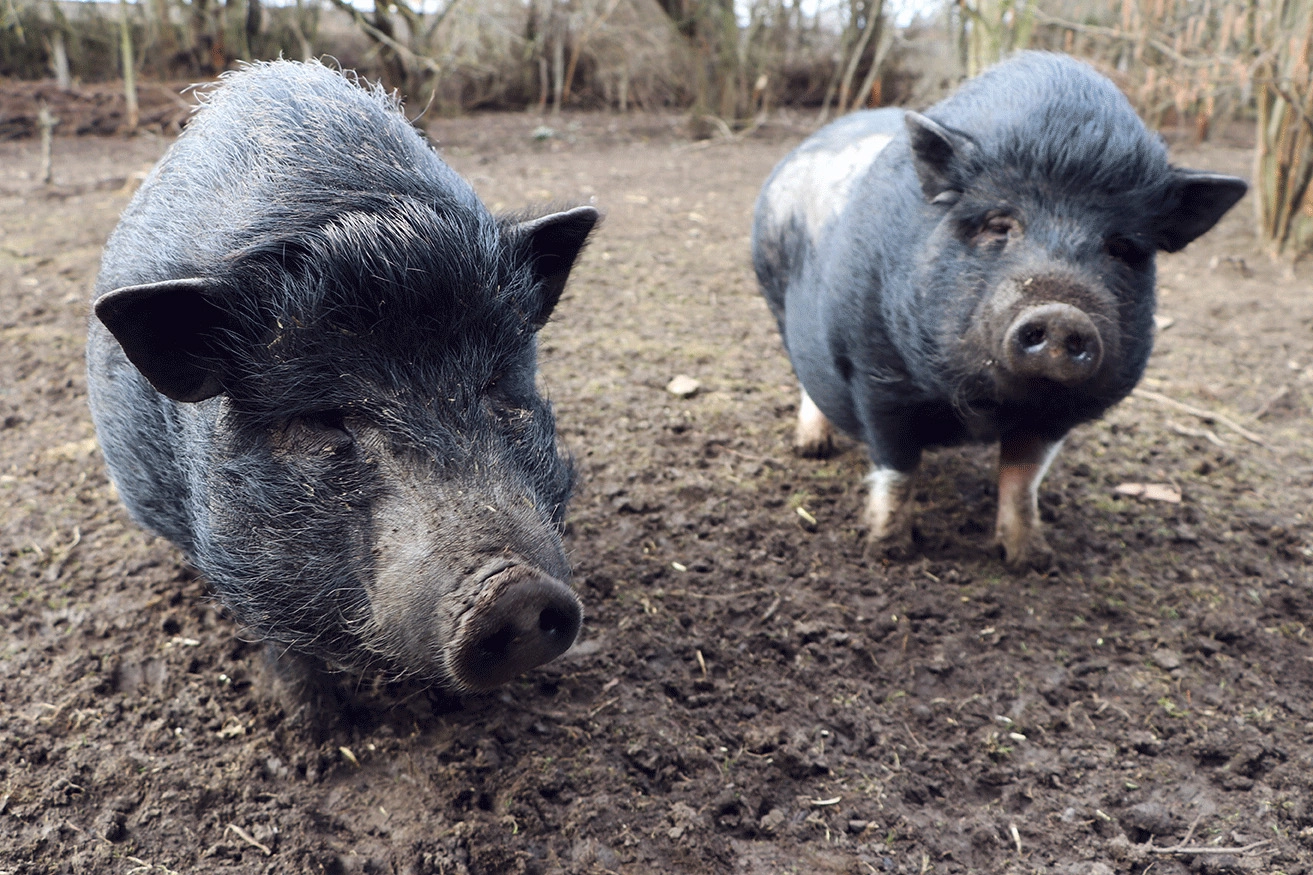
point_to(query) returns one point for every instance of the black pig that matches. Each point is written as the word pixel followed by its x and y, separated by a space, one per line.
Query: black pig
pixel 312 367
pixel 981 272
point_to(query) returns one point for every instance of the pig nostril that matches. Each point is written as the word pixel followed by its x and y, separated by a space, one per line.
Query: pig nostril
pixel 1032 337
pixel 1077 346
pixel 496 645
pixel 556 624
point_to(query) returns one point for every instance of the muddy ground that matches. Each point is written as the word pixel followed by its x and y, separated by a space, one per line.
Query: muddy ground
pixel 748 694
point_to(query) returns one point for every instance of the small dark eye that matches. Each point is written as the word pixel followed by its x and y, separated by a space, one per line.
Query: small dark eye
pixel 316 432
pixel 996 229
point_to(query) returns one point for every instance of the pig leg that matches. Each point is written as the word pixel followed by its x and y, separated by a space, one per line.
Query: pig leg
pixel 888 512
pixel 1023 459
pixel 814 437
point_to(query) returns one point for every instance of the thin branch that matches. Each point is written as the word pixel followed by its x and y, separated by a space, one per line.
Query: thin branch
pixel 380 37
pixel 437 21
pixel 1159 398
pixel 1114 33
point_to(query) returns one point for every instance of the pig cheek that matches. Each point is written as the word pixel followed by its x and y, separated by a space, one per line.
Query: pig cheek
pixel 289 539
pixel 976 307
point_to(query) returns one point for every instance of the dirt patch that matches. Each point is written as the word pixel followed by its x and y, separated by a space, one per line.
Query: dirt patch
pixel 748 694
pixel 94 108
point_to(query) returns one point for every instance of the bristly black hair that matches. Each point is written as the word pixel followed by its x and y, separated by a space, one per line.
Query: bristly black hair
pixel 1058 120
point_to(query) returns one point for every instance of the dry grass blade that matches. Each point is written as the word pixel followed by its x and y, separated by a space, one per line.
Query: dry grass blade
pixel 249 839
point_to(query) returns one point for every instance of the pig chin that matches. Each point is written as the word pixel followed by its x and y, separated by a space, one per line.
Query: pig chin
pixel 465 603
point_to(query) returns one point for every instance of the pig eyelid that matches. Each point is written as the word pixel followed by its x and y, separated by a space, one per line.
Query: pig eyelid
pixel 329 418
pixel 994 227
pixel 330 422
pixel 313 433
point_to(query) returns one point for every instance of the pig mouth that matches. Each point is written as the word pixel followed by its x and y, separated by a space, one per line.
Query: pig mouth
pixel 521 619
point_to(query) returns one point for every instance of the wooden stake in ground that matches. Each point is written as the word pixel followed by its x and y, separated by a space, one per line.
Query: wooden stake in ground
pixel 46 121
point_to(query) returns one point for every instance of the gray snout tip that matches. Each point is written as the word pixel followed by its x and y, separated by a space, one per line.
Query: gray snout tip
pixel 523 619
pixel 1058 342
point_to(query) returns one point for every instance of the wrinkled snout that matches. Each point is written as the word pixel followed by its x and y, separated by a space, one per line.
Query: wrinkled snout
pixel 1055 341
pixel 522 619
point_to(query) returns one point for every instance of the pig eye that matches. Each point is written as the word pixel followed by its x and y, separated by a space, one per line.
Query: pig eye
pixel 317 432
pixel 995 229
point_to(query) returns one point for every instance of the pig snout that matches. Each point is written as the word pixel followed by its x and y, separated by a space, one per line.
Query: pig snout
pixel 522 619
pixel 1055 341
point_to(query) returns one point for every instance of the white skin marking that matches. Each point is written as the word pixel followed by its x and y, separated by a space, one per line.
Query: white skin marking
pixel 888 512
pixel 814 434
pixel 1018 500
pixel 816 184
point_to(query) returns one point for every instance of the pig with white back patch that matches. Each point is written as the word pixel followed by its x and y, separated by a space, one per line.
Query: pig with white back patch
pixel 312 367
pixel 981 272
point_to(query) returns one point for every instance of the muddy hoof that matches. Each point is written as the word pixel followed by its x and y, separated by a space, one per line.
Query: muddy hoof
pixel 1034 553
pixel 898 545
pixel 310 696
pixel 819 448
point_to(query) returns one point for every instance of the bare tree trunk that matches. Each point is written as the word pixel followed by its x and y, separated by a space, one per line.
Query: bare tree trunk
pixel 557 35
pixel 544 83
pixel 990 29
pixel 874 11
pixel 167 38
pixel 844 41
pixel 129 68
pixel 1284 154
pixel 59 60
pixel 307 51
pixel 882 47
pixel 251 25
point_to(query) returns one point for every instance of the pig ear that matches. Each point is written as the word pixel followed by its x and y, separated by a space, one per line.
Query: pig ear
pixel 1196 200
pixel 936 152
pixel 168 331
pixel 552 243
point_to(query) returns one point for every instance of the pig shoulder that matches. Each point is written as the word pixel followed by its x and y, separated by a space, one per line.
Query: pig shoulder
pixel 808 190
pixel 812 183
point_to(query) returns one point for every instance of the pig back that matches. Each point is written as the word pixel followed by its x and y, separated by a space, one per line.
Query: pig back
pixel 276 145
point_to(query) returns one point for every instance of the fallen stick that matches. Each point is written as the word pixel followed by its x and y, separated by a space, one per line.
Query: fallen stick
pixel 1201 413
pixel 1204 433
pixel 1183 849
pixel 726 135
